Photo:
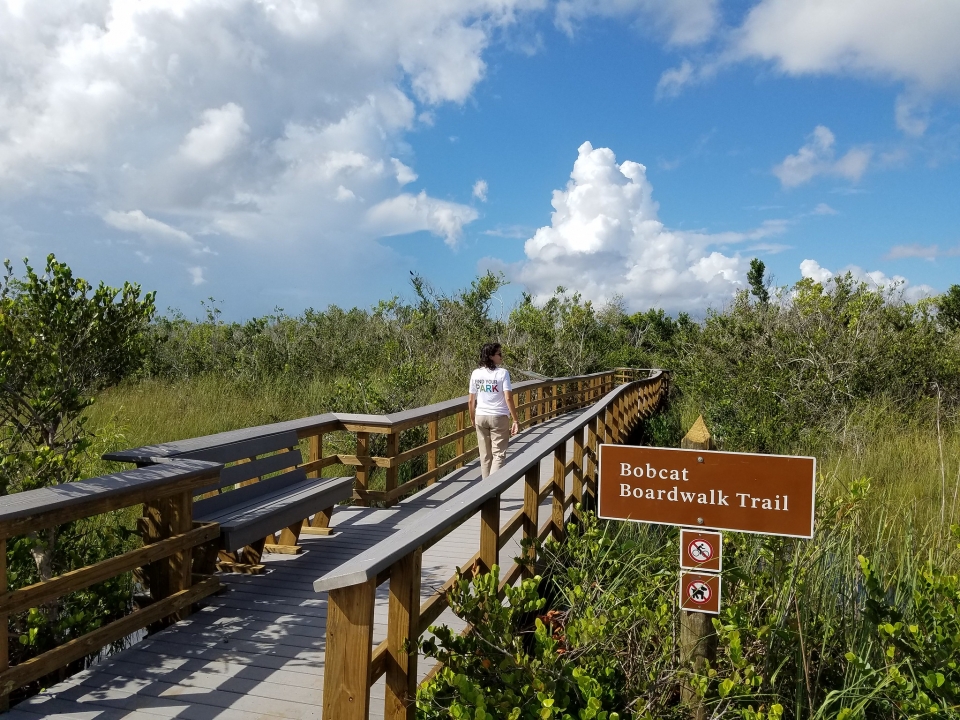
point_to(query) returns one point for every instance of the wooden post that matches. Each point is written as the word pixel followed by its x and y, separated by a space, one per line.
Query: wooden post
pixel 461 441
pixel 531 512
pixel 314 452
pixel 402 626
pixel 698 639
pixel 363 471
pixel 393 445
pixel 349 649
pixel 490 533
pixel 559 489
pixel 591 474
pixel 150 531
pixel 180 564
pixel 4 642
pixel 433 433
pixel 577 471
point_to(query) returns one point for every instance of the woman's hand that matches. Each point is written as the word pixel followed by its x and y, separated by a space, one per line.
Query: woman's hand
pixel 515 428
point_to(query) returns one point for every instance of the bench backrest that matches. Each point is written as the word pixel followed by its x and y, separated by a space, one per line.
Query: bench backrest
pixel 250 460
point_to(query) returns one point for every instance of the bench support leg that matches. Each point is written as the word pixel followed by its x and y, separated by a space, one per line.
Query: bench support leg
pixel 320 524
pixel 245 560
pixel 288 541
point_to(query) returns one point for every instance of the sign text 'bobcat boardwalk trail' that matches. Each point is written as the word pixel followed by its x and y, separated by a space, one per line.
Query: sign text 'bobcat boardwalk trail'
pixel 769 494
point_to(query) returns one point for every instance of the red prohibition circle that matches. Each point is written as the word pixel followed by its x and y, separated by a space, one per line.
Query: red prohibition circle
pixel 699 592
pixel 694 550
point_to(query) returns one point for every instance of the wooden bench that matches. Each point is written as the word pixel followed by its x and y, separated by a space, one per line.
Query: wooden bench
pixel 251 508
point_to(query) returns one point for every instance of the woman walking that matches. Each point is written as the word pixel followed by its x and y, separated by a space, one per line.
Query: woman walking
pixel 491 408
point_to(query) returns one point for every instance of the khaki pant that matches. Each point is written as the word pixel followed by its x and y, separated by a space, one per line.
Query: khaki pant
pixel 493 434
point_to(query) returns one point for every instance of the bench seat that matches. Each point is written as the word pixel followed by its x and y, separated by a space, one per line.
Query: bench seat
pixel 252 512
pixel 262 491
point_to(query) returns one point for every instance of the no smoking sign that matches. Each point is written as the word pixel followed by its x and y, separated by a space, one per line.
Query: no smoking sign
pixel 701 550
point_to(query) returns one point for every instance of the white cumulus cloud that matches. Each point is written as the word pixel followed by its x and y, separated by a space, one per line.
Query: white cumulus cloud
pixel 605 240
pixel 876 279
pixel 818 157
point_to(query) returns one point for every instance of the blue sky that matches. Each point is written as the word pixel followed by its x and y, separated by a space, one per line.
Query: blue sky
pixel 294 154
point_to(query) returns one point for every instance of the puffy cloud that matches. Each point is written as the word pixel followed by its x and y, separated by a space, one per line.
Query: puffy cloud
pixel 683 22
pixel 876 279
pixel 817 157
pixel 824 209
pixel 914 42
pixel 812 269
pixel 480 190
pixel 196 275
pixel 408 213
pixel 605 240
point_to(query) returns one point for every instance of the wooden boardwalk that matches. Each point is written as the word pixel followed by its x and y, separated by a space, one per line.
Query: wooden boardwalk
pixel 257 650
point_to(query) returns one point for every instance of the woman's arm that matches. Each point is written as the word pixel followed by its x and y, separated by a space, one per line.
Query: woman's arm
pixel 472 407
pixel 508 396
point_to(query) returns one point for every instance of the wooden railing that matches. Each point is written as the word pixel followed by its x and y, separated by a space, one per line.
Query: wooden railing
pixel 397 454
pixel 352 664
pixel 169 535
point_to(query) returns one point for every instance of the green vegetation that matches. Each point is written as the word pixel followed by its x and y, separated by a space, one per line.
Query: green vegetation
pixel 860 622
pixel 62 341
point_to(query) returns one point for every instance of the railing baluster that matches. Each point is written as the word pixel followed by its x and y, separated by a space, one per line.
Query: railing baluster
pixel 433 433
pixel 591 474
pixel 531 512
pixel 349 649
pixel 321 520
pixel 461 425
pixel 490 533
pixel 559 488
pixel 363 471
pixel 393 444
pixel 314 452
pixel 403 628
pixel 578 470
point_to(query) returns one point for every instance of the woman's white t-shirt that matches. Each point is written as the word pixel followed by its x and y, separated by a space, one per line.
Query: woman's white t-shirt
pixel 488 386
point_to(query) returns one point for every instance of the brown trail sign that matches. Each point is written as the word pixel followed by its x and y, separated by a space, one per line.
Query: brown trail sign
pixel 769 494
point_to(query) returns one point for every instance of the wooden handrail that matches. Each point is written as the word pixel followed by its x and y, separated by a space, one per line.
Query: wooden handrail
pixel 537 401
pixel 352 586
pixel 166 493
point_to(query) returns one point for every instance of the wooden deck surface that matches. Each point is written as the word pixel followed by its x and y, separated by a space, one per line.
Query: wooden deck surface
pixel 257 650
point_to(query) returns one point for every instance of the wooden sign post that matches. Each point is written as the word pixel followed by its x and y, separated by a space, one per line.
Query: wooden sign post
pixel 699 488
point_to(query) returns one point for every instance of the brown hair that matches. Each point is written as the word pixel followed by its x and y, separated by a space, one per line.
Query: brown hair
pixel 486 355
